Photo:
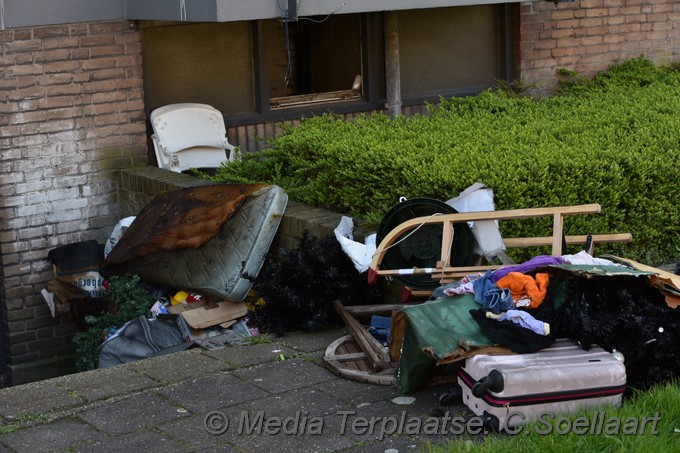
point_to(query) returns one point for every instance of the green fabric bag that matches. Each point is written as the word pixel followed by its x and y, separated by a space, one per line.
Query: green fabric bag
pixel 441 327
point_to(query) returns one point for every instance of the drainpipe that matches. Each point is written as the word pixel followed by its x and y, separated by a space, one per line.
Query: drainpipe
pixel 2 14
pixel 392 64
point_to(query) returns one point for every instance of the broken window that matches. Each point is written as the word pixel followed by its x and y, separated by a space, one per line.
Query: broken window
pixel 314 60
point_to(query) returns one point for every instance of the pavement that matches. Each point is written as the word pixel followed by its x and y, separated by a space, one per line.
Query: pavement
pixel 179 403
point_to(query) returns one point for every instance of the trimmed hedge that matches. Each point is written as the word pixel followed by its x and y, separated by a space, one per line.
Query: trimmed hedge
pixel 613 140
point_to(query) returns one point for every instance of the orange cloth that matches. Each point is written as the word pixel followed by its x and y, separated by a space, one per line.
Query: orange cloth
pixel 523 286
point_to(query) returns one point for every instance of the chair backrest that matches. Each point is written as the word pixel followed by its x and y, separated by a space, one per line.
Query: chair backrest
pixel 190 135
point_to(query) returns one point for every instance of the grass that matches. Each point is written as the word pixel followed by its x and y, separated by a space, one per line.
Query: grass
pixel 260 339
pixel 22 420
pixel 664 400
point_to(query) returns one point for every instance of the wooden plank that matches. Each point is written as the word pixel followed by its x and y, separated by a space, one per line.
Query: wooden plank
pixel 350 357
pixel 363 310
pixel 375 356
pixel 397 331
pixel 447 242
pixel 558 233
pixel 575 239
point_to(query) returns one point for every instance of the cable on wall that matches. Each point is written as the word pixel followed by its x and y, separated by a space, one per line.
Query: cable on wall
pixel 2 14
pixel 182 10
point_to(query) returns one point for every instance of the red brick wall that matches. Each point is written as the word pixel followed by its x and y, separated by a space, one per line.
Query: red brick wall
pixel 71 113
pixel 588 36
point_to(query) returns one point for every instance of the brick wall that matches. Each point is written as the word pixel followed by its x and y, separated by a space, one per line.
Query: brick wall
pixel 71 113
pixel 588 36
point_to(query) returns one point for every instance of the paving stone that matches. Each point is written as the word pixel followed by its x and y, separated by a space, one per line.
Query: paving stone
pixel 192 430
pixel 60 434
pixel 131 414
pixel 314 341
pixel 285 375
pixel 246 356
pixel 36 397
pixel 105 383
pixel 179 366
pixel 357 392
pixel 146 441
pixel 294 443
pixel 211 393
pixel 400 444
pixel 307 401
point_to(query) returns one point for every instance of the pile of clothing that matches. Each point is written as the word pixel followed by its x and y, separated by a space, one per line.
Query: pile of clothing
pixel 527 307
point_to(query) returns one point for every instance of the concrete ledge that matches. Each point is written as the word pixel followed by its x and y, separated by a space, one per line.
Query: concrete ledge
pixel 39 370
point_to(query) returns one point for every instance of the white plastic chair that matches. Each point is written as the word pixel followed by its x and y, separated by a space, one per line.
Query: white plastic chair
pixel 190 135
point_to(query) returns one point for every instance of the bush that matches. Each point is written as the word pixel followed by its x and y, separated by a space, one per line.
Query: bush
pixel 613 140
pixel 127 300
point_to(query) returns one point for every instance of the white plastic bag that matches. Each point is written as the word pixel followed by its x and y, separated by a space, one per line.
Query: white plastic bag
pixel 478 198
pixel 117 233
pixel 360 254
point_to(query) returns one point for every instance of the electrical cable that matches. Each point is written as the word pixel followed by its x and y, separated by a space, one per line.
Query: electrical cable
pixel 182 10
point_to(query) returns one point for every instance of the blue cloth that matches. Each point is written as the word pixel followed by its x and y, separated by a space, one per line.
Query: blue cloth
pixel 525 320
pixel 380 329
pixel 490 296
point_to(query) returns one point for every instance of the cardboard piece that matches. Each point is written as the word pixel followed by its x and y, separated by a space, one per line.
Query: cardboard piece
pixel 210 315
pixel 76 276
pixel 666 282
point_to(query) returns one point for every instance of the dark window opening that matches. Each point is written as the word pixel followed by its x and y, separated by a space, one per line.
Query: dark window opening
pixel 315 60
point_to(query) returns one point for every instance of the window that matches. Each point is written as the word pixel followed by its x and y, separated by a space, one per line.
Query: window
pixel 449 50
pixel 314 60
pixel 205 63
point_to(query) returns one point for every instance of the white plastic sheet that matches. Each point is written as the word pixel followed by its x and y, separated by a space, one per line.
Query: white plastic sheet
pixel 477 198
pixel 360 254
pixel 117 233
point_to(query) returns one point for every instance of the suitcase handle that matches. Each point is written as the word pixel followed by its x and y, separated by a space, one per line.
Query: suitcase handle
pixel 492 382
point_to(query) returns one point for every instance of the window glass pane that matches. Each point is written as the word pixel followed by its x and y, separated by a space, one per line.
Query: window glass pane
pixel 205 63
pixel 446 49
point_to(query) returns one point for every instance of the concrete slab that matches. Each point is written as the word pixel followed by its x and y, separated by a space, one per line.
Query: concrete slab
pixel 286 375
pixel 192 431
pixel 307 401
pixel 314 341
pixel 104 383
pixel 249 355
pixel 131 414
pixel 35 397
pixel 357 392
pixel 293 443
pixel 211 393
pixel 55 436
pixel 146 441
pixel 179 366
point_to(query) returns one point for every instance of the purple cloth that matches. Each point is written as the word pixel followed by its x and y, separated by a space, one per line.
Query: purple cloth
pixel 533 263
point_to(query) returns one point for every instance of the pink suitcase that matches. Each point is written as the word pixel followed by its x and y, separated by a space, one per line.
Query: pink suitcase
pixel 510 390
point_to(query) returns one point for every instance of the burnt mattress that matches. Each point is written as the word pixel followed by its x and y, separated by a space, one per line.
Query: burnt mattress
pixel 211 239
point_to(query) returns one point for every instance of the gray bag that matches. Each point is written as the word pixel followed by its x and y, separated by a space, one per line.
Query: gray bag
pixel 139 339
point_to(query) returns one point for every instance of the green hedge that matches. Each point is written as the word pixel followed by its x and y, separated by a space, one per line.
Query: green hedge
pixel 613 140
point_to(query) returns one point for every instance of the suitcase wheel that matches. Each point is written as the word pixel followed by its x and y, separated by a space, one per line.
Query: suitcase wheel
pixel 491 422
pixel 493 382
pixel 451 396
